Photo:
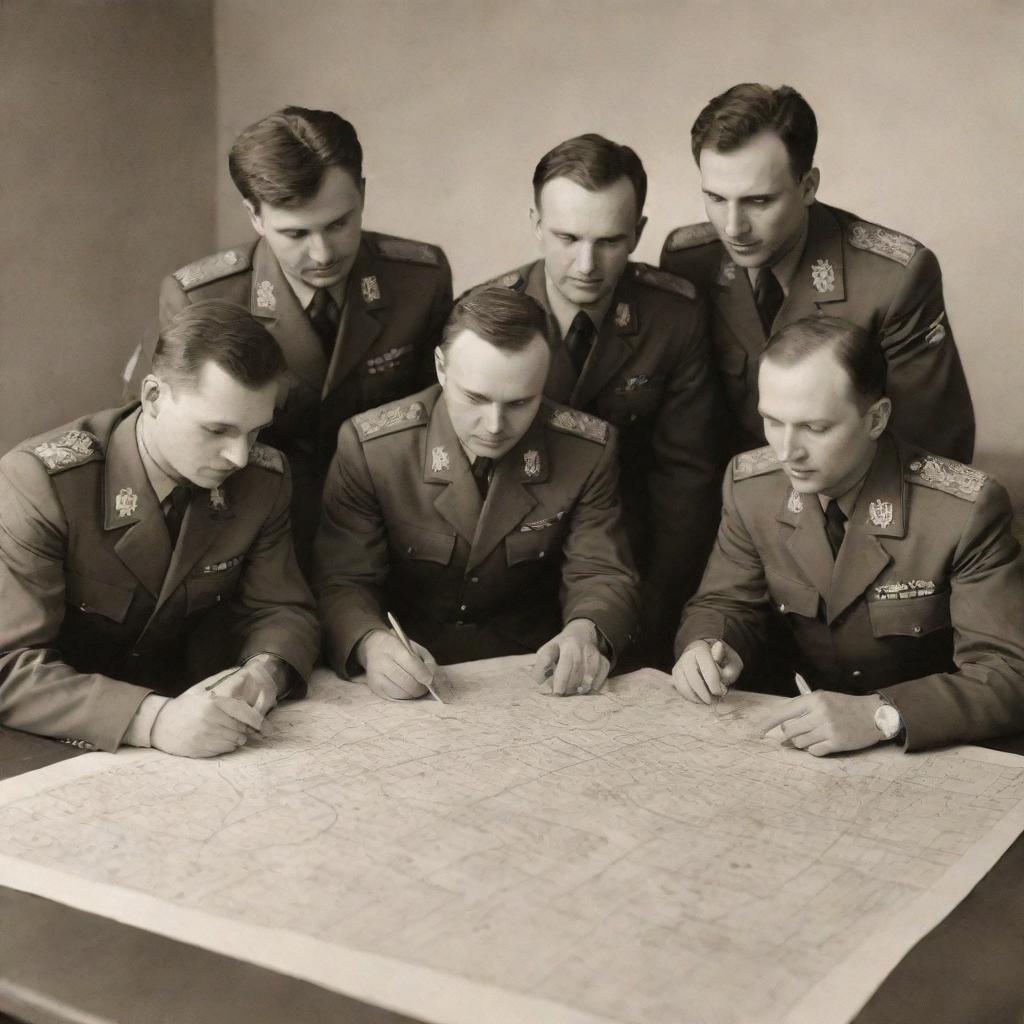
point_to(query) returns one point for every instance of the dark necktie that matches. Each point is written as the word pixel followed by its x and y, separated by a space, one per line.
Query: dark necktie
pixel 580 339
pixel 175 505
pixel 768 297
pixel 482 474
pixel 323 315
pixel 834 520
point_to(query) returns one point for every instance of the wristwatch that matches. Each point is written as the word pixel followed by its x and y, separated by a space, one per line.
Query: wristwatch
pixel 888 721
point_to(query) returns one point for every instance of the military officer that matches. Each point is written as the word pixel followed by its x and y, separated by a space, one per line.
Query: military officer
pixel 772 254
pixel 892 571
pixel 628 345
pixel 357 313
pixel 144 549
pixel 486 519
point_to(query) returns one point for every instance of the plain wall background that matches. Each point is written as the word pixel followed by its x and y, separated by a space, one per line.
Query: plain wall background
pixel 107 165
pixel 919 107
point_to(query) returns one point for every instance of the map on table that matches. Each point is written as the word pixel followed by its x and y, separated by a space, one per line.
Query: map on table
pixel 516 857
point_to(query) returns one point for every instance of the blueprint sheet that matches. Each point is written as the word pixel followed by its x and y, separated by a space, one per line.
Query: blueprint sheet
pixel 515 857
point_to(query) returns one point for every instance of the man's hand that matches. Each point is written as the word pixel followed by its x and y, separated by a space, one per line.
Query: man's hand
pixel 825 723
pixel 572 660
pixel 705 670
pixel 258 682
pixel 391 671
pixel 202 723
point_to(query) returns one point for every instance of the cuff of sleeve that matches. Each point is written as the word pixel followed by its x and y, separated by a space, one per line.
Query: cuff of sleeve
pixel 141 726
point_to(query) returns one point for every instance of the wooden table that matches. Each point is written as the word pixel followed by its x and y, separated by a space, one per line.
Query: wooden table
pixel 63 966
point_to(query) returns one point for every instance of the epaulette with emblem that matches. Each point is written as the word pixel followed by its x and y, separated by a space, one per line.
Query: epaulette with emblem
pixel 690 236
pixel 754 463
pixel 514 279
pixel 265 457
pixel 389 418
pixel 881 241
pixel 212 268
pixel 406 250
pixel 946 475
pixel 582 424
pixel 654 278
pixel 72 448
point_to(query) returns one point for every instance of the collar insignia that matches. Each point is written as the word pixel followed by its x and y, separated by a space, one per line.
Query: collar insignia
pixel 126 502
pixel 265 296
pixel 880 513
pixel 795 504
pixel 623 317
pixel 823 276
pixel 218 503
pixel 370 289
pixel 531 462
pixel 439 460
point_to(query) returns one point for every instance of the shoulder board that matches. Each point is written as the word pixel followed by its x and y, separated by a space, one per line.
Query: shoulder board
pixel 63 451
pixel 406 251
pixel 654 278
pixel 388 419
pixel 265 457
pixel 690 236
pixel 881 241
pixel 212 268
pixel 582 424
pixel 514 279
pixel 754 463
pixel 946 475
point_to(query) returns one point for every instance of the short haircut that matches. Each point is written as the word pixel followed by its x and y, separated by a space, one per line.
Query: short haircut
pixel 594 163
pixel 282 159
pixel 738 114
pixel 218 332
pixel 507 319
pixel 856 350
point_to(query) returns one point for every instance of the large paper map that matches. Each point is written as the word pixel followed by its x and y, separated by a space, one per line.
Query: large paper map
pixel 512 856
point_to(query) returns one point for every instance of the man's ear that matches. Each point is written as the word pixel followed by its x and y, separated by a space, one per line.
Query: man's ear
pixel 810 184
pixel 254 216
pixel 439 364
pixel 879 413
pixel 640 225
pixel 535 221
pixel 151 393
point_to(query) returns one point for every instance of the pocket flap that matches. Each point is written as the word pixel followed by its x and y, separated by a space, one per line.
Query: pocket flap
pixel 98 598
pixel 792 597
pixel 916 616
pixel 421 545
pixel 530 546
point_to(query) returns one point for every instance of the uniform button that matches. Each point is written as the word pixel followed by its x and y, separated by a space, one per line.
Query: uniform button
pixel 474 579
pixel 410 550
pixel 632 417
pixel 542 554
pixel 917 629
pixel 217 599
pixel 856 673
pixel 782 606
pixel 462 607
pixel 83 607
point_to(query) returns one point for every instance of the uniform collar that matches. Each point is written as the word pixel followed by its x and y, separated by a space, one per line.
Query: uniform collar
pixel 820 272
pixel 565 311
pixel 785 268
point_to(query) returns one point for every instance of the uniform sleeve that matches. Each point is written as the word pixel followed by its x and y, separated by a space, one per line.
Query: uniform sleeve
pixel 985 697
pixel 599 581
pixel 350 554
pixel 732 601
pixel 173 299
pixel 39 692
pixel 273 605
pixel 931 402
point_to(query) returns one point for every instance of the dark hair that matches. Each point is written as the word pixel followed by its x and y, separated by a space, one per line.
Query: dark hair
pixel 856 350
pixel 734 118
pixel 282 159
pixel 214 331
pixel 506 319
pixel 594 163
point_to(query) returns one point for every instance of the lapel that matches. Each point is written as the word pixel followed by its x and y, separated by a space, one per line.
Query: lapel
pixel 820 272
pixel 275 304
pixel 509 498
pixel 444 462
pixel 561 374
pixel 617 338
pixel 734 300
pixel 807 542
pixel 880 512
pixel 131 505
pixel 365 295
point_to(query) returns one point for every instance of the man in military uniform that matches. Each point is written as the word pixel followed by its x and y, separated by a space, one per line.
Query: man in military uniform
pixel 144 549
pixel 357 313
pixel 485 518
pixel 628 345
pixel 892 571
pixel 772 254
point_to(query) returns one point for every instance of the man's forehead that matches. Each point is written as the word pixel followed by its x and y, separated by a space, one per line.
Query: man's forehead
pixel 758 164
pixel 817 380
pixel 337 195
pixel 562 196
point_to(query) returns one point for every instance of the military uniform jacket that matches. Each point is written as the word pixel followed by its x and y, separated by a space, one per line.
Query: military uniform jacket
pixel 404 530
pixel 96 611
pixel 878 279
pixel 648 375
pixel 925 603
pixel 398 297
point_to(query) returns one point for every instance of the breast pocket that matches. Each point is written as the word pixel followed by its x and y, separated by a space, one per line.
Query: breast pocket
pixel 536 545
pixel 914 617
pixel 414 544
pixel 94 597
pixel 212 584
pixel 791 597
pixel 639 397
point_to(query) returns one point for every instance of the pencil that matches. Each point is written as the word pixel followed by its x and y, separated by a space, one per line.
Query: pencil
pixel 801 683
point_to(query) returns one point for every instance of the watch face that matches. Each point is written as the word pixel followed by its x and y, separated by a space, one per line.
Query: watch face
pixel 888 721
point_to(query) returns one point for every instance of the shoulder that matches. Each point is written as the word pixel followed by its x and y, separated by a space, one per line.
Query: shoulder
pixel 513 279
pixel 393 417
pixel 941 474
pixel 662 281
pixel 563 420
pixel 754 463
pixel 262 456
pixel 876 240
pixel 75 444
pixel 212 268
pixel 405 250
pixel 690 236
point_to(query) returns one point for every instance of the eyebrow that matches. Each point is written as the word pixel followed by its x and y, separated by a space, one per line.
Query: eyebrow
pixel 235 426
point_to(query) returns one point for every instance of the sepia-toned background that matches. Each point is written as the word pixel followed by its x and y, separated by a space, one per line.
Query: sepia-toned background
pixel 117 116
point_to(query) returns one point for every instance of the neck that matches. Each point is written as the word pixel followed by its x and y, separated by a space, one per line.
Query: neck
pixel 148 458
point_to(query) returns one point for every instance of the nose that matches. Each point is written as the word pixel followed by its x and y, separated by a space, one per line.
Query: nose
pixel 237 452
pixel 736 223
pixel 319 250
pixel 494 418
pixel 790 448
pixel 585 258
